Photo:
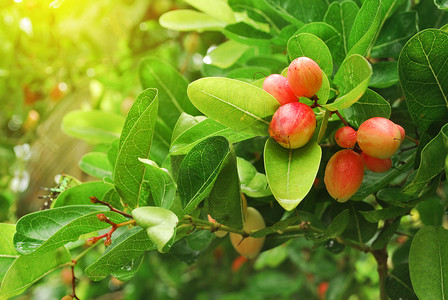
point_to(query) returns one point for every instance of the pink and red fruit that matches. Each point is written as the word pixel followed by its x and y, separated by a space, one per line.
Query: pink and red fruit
pixel 379 137
pixel 345 137
pixel 278 86
pixel 344 174
pixel 249 247
pixel 402 132
pixel 377 165
pixel 304 77
pixel 293 125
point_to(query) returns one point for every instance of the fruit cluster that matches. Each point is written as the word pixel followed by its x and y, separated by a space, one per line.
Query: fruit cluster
pixel 378 138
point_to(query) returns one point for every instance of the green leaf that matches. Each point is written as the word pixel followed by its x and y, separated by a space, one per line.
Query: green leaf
pixel 352 79
pixel 429 15
pixel 253 184
pixel 398 283
pixel 246 34
pixel 199 170
pixel 128 271
pixel 374 216
pixel 441 4
pixel 96 164
pixel 224 203
pixel 27 269
pixel 385 74
pixel 7 251
pixel 160 224
pixel 309 45
pixel 259 11
pixel 428 263
pixel 190 20
pixel 135 143
pixel 299 11
pixel 395 33
pixel 364 28
pixel 291 172
pixel 338 224
pixel 368 106
pixel 422 67
pixel 281 225
pixel 161 184
pixel 271 258
pixel 432 162
pixel 358 229
pixel 386 234
pixel 201 131
pixel 217 9
pixel 80 194
pixel 94 127
pixel 394 196
pixel 59 226
pixel 191 247
pixel 126 247
pixel 171 87
pixel 226 54
pixel 431 211
pixel 235 104
pixel 341 16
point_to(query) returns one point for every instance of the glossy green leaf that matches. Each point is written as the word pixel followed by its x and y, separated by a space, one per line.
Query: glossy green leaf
pixel 190 20
pixel 431 211
pixel 124 248
pixel 364 28
pixel 235 104
pixel 374 216
pixel 161 184
pixel 253 183
pixel 96 164
pixel 341 16
pixel 190 248
pixel 247 34
pixel 441 4
pixel 301 11
pixel 59 226
pixel 128 271
pixel 27 269
pixel 432 162
pixel 358 229
pixel 160 224
pixel 368 106
pixel 201 131
pixel 80 194
pixel 199 170
pixel 395 33
pixel 398 283
pixel 309 45
pixel 291 173
pixel 394 196
pixel 7 251
pixel 338 224
pixel 428 263
pixel 352 79
pixel 224 203
pixel 429 15
pixel 161 141
pixel 94 127
pixel 259 11
pixel 135 143
pixel 422 67
pixel 217 9
pixel 171 87
pixel 386 234
pixel 226 54
pixel 385 74
pixel 112 197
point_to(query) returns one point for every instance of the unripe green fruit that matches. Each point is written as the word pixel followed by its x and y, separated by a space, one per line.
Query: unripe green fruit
pixel 344 174
pixel 377 165
pixel 345 137
pixel 278 86
pixel 379 137
pixel 293 125
pixel 304 77
pixel 249 247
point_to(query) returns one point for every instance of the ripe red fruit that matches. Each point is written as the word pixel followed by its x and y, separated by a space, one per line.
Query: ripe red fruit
pixel 249 247
pixel 278 86
pixel 377 165
pixel 344 174
pixel 293 125
pixel 304 77
pixel 345 137
pixel 379 137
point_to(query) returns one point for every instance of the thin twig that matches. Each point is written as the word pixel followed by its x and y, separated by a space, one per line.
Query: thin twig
pixel 95 200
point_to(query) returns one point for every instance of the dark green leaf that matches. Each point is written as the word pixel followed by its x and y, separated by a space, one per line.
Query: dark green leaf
pixel 253 184
pixel 398 283
pixel 431 211
pixel 428 263
pixel 96 164
pixel 300 11
pixel 291 172
pixel 135 143
pixel 385 74
pixel 422 67
pixel 235 104
pixel 246 34
pixel 277 227
pixel 394 196
pixel 124 248
pixel 338 224
pixel 80 194
pixel 386 234
pixel 374 216
pixel 441 4
pixel 429 16
pixel 191 247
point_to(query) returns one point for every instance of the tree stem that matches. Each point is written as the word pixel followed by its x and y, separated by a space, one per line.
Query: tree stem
pixel 381 259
